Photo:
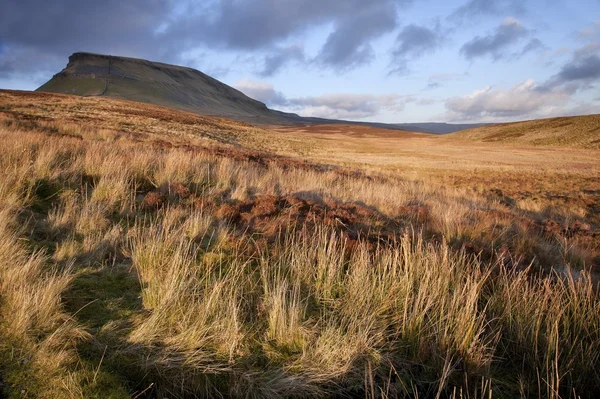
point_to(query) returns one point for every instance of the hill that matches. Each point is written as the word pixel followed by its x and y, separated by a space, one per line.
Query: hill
pixel 187 89
pixel 573 131
pixel 162 84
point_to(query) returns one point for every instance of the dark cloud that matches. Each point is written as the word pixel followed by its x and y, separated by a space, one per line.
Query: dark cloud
pixel 39 35
pixel 63 25
pixel 581 71
pixel 254 24
pixel 591 48
pixel 278 59
pixel 266 24
pixel 584 69
pixel 473 9
pixel 413 42
pixel 163 30
pixel 13 58
pixel 533 45
pixel 508 33
pixel 348 45
pixel 257 23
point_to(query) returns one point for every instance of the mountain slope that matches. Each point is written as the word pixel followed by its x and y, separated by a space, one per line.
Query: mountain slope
pixel 572 131
pixel 186 89
pixel 161 84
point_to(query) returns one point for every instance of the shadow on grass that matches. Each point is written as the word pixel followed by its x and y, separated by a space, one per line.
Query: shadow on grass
pixel 104 299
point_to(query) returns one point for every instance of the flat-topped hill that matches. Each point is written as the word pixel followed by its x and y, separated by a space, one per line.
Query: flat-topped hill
pixel 161 84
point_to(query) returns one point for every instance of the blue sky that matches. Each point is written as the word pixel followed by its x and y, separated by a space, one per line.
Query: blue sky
pixel 381 60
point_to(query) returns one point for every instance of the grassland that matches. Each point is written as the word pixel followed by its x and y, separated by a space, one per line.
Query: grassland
pixel 576 131
pixel 151 253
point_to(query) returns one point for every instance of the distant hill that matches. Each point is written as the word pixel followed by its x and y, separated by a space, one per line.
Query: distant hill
pixel 572 131
pixel 435 128
pixel 186 89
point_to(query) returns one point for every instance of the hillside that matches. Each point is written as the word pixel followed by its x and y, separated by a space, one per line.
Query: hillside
pixel 157 83
pixel 573 131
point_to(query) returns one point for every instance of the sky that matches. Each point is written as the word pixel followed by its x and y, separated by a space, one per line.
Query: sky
pixel 395 61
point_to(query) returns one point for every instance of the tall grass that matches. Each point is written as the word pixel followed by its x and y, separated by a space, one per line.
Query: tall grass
pixel 303 312
pixel 37 335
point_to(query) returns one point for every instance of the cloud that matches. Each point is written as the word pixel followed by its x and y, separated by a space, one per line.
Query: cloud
pixel 526 98
pixel 261 91
pixel 62 25
pixel 509 32
pixel 583 109
pixel 255 24
pixel 590 31
pixel 14 59
pixel 334 106
pixel 531 99
pixel 348 45
pixel 473 9
pixel 533 45
pixel 279 58
pixel 581 71
pixel 437 80
pixel 348 106
pixel 39 35
pixel 413 42
pixel 252 25
pixel 163 30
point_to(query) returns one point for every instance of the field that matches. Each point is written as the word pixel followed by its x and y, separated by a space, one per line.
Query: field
pixel 152 253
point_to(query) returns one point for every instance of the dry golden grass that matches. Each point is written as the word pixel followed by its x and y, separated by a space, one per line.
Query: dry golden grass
pixel 574 131
pixel 563 178
pixel 115 120
pixel 132 267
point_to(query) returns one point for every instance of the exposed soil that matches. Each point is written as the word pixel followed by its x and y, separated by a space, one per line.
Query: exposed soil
pixel 270 215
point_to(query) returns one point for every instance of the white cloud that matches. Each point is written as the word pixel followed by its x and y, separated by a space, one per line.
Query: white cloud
pixel 524 99
pixel 335 106
pixel 348 106
pixel 261 91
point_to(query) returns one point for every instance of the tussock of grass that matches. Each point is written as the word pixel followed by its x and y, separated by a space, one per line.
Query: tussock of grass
pixel 38 336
